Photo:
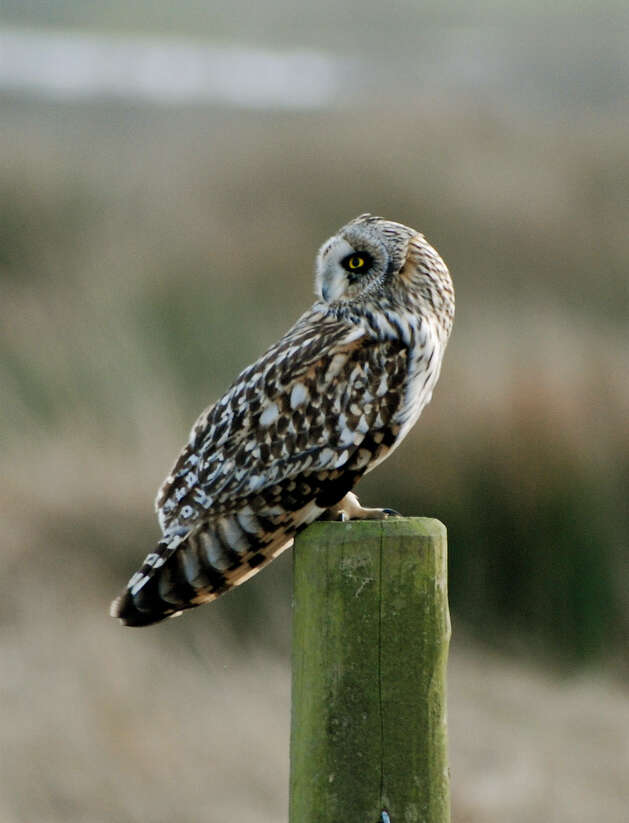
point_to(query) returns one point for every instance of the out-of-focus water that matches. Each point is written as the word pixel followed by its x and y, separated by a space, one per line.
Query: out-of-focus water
pixel 77 66
pixel 550 69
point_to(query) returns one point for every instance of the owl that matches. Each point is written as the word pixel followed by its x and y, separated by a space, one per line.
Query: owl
pixel 295 432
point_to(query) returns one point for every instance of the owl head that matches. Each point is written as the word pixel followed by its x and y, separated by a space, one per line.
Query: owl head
pixel 371 258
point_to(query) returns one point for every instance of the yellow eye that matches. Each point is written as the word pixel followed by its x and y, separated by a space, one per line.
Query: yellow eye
pixel 357 262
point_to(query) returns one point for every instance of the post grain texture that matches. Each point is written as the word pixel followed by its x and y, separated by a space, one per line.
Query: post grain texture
pixel 371 630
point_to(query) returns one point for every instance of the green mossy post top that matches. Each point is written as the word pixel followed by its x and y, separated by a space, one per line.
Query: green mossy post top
pixel 370 641
pixel 392 526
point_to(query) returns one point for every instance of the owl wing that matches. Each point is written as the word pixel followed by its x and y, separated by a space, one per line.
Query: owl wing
pixel 289 439
pixel 304 408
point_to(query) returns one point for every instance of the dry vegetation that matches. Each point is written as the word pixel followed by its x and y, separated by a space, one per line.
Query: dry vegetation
pixel 145 256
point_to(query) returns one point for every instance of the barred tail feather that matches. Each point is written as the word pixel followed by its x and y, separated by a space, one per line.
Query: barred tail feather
pixel 188 571
pixel 140 604
pixel 129 614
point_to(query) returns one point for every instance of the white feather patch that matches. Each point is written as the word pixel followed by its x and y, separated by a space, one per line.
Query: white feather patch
pixel 336 364
pixel 269 415
pixel 298 396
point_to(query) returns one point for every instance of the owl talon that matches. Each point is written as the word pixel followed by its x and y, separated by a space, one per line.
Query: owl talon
pixel 392 513
pixel 349 508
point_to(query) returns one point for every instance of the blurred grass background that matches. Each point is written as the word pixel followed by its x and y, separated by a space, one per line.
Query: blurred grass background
pixel 149 253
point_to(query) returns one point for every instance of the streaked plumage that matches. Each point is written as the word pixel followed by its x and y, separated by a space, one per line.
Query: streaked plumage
pixel 297 429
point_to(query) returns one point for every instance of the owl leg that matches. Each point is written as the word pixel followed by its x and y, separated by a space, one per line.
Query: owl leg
pixel 349 508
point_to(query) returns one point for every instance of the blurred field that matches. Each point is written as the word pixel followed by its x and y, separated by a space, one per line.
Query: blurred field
pixel 148 256
pixel 145 257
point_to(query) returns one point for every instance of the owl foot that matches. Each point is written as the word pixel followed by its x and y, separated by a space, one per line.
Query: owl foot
pixel 349 508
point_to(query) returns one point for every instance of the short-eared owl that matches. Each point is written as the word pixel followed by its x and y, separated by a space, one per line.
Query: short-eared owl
pixel 295 432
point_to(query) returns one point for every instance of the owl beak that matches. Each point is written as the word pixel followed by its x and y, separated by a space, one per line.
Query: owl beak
pixel 333 284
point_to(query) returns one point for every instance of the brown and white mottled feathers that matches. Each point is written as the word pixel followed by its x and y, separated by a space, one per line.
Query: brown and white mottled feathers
pixel 298 428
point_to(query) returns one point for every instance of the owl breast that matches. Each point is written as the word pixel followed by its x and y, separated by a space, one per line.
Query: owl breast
pixel 424 356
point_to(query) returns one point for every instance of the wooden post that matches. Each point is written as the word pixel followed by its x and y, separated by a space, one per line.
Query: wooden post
pixel 370 641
